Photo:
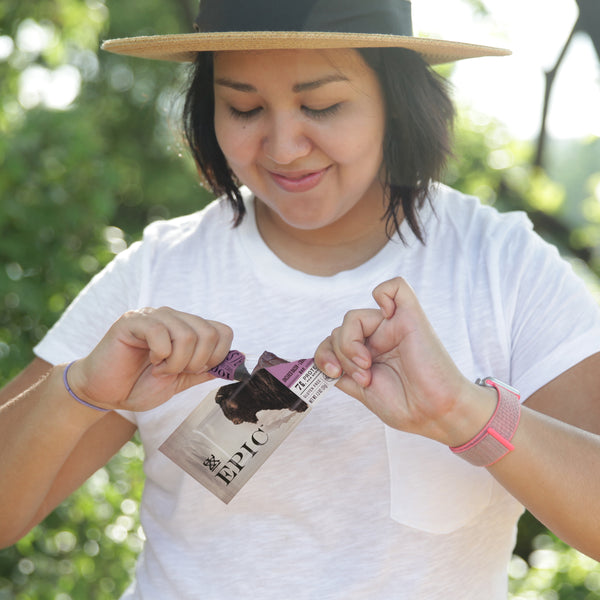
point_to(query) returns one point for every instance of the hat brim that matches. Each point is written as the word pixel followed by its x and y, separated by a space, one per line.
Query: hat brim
pixel 185 46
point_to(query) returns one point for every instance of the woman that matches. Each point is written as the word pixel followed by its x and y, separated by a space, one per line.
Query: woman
pixel 339 150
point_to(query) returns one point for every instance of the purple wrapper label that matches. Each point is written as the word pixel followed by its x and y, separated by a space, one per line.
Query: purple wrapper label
pixel 232 367
pixel 303 378
pixel 289 372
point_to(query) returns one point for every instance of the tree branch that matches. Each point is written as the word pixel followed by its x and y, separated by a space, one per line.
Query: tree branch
pixel 550 76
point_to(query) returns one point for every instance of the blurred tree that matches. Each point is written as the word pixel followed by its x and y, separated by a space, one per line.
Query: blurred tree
pixel 587 22
pixel 89 154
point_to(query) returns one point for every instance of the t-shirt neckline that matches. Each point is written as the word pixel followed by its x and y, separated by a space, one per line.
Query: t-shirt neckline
pixel 268 265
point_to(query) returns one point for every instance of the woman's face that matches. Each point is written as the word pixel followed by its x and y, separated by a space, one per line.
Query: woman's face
pixel 303 129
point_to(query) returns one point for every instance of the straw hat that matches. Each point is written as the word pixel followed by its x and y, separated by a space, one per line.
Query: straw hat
pixel 298 24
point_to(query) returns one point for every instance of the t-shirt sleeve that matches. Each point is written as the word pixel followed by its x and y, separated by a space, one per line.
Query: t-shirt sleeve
pixel 111 293
pixel 552 318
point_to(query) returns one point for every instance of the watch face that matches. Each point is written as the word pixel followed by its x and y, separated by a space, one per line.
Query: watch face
pixel 495 383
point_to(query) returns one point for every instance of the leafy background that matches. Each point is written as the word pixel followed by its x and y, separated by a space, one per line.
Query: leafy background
pixel 79 181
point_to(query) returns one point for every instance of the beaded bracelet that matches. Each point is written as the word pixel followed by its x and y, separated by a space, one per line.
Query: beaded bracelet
pixel 74 396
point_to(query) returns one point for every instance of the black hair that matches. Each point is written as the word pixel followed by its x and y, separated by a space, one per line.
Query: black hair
pixel 417 142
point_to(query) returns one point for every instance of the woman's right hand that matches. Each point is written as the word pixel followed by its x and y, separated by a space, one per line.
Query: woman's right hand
pixel 147 356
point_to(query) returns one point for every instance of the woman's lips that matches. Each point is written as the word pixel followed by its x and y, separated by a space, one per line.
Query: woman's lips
pixel 298 181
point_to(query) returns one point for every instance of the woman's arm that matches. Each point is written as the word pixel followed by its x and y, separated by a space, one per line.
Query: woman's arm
pixel 554 468
pixel 50 444
pixel 394 363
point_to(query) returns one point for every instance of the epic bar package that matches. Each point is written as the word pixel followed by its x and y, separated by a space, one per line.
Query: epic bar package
pixel 237 427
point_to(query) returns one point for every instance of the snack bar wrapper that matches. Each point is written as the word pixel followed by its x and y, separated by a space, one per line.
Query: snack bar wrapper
pixel 237 426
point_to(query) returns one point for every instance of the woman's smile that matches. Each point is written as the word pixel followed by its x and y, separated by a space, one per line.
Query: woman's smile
pixel 298 181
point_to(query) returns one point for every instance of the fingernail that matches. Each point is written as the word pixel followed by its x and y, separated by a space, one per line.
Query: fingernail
pixel 361 361
pixel 332 370
pixel 361 378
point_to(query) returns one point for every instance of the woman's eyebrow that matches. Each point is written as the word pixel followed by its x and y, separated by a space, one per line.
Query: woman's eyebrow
pixel 298 87
pixel 311 85
pixel 236 85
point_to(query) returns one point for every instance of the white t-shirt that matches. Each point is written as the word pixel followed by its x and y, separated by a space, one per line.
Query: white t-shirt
pixel 346 508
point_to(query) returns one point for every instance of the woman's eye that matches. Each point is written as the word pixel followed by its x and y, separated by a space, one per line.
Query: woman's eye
pixel 314 113
pixel 244 114
pixel 321 113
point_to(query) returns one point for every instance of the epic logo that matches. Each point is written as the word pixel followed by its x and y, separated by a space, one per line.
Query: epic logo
pixel 242 457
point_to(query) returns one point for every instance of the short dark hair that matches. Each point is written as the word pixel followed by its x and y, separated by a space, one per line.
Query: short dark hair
pixel 417 141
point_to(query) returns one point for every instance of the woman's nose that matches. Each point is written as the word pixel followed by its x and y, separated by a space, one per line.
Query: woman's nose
pixel 285 139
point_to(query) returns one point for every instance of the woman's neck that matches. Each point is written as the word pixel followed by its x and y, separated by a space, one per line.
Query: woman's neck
pixel 343 245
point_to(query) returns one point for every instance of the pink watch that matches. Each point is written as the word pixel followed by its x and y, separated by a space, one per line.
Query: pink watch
pixel 493 441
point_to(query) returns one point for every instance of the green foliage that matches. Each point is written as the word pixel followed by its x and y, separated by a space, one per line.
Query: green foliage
pixel 77 184
pixel 79 181
pixel 554 571
pixel 561 200
pixel 88 546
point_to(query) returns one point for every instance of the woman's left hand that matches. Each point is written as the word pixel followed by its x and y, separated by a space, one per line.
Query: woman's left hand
pixel 393 362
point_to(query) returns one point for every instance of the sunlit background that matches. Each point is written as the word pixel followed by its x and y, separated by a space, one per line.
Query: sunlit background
pixel 51 88
pixel 512 88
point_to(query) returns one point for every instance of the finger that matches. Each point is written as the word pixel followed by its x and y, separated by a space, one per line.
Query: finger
pixel 212 342
pixel 170 341
pixel 404 316
pixel 326 360
pixel 349 343
pixel 221 346
pixel 349 339
pixel 393 293
pixel 184 343
pixel 197 344
pixel 178 342
pixel 143 330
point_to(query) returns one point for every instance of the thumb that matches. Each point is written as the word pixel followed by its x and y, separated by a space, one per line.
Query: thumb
pixel 392 294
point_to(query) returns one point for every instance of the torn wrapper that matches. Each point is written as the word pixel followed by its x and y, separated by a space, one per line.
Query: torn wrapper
pixel 237 427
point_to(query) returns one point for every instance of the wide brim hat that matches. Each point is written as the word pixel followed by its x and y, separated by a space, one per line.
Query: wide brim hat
pixel 298 24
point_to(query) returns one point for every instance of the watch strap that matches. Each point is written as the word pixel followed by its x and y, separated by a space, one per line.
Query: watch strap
pixel 493 442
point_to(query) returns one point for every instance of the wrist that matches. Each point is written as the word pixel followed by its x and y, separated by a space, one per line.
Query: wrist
pixel 493 441
pixel 473 408
pixel 73 386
